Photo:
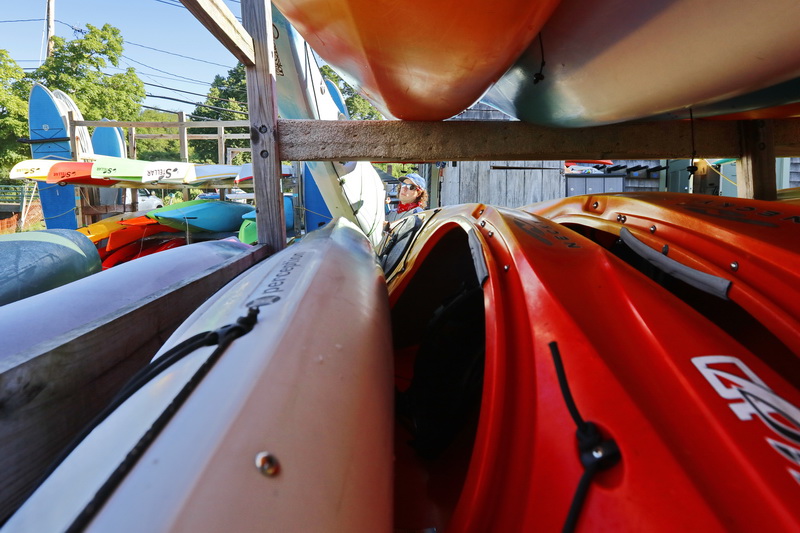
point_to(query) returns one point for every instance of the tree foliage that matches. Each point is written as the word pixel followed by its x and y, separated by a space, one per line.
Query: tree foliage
pixel 157 149
pixel 226 100
pixel 357 106
pixel 76 67
pixel 13 113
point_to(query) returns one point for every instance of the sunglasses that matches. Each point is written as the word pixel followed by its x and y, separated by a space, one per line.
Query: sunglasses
pixel 409 186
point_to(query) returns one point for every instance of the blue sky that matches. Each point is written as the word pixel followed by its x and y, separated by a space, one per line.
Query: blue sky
pixel 161 24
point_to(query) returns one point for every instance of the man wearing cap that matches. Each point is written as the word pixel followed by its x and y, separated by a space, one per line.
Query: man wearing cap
pixel 413 197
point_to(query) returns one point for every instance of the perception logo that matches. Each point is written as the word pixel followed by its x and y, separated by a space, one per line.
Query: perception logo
pixel 273 290
pixel 264 300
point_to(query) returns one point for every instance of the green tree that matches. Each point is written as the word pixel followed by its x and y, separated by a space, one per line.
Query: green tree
pixel 157 149
pixel 226 100
pixel 357 106
pixel 76 67
pixel 13 114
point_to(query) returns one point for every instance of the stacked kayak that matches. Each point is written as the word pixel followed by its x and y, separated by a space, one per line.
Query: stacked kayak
pixel 431 69
pixel 735 259
pixel 275 424
pixel 62 360
pixel 132 235
pixel 37 261
pixel 544 383
pixel 202 215
pixel 580 74
pixel 84 301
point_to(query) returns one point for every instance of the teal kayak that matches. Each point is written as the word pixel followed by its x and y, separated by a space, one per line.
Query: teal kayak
pixel 37 261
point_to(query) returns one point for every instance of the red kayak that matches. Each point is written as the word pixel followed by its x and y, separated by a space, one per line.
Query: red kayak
pixel 141 248
pixel 544 384
pixel 746 252
pixel 132 233
pixel 76 173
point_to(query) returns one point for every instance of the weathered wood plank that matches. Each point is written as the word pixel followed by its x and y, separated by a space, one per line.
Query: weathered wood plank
pixel 534 185
pixel 262 104
pixel 188 124
pixel 755 170
pixel 194 136
pixel 309 140
pixel 49 395
pixel 553 184
pixel 515 188
pixel 515 141
pixel 449 194
pixel 495 182
pixel 222 23
pixel 498 140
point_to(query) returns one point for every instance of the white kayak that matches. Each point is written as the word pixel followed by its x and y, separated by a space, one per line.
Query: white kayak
pixel 289 429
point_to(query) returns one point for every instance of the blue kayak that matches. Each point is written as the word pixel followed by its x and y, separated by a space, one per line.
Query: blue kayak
pixel 202 215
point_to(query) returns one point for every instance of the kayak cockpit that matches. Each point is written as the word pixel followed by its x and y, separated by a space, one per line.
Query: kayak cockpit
pixel 438 322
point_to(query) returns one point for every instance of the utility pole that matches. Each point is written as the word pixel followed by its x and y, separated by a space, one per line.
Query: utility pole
pixel 51 17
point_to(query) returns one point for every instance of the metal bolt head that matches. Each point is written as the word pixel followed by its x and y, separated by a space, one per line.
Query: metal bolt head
pixel 652 229
pixel 597 453
pixel 595 205
pixel 506 267
pixel 267 464
pixel 735 266
pixel 483 223
pixel 264 154
pixel 263 129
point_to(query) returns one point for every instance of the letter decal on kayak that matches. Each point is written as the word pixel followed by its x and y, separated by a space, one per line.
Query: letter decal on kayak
pixel 749 395
pixel 545 233
pixel 276 286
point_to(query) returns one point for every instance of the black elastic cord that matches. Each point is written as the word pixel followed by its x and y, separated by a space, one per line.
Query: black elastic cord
pixel 224 337
pixel 595 453
pixel 539 76
pixel 562 382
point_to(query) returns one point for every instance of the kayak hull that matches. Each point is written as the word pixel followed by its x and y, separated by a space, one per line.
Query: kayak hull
pixel 751 245
pixel 397 66
pixel 509 289
pixel 302 399
pixel 37 261
pixel 587 71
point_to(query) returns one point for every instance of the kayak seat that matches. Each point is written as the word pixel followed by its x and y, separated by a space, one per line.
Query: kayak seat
pixel 445 392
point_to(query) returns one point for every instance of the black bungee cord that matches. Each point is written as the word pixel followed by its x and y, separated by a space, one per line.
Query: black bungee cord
pixel 595 453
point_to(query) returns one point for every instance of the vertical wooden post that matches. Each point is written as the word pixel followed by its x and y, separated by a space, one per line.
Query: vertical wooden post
pixel 184 139
pixel 132 142
pixel 755 170
pixel 257 20
pixel 73 135
pixel 221 145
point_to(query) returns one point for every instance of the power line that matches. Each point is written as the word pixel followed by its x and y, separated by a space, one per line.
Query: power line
pixel 215 108
pixel 164 71
pixel 179 55
pixel 196 94
pixel 83 32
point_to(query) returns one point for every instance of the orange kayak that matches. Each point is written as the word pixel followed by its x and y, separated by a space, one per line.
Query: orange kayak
pixel 748 250
pixel 544 384
pixel 76 173
pixel 423 60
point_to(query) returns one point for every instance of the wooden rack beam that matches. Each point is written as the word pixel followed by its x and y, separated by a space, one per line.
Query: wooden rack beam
pixel 223 25
pixel 314 140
